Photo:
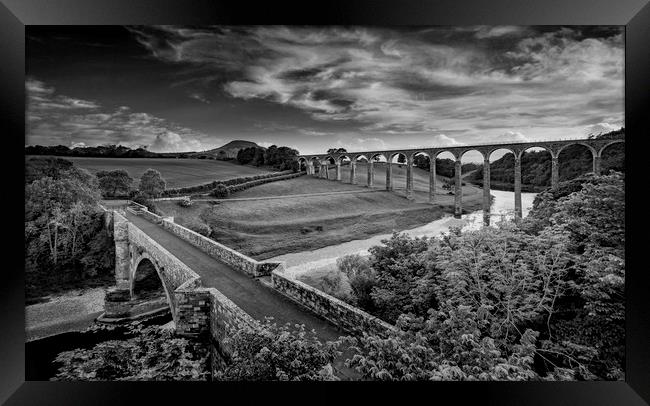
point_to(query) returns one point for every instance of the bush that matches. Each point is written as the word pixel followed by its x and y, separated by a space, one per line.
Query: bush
pixel 278 353
pixel 145 201
pixel 362 279
pixel 200 228
pixel 185 202
pixel 153 354
pixel 221 191
pixel 332 284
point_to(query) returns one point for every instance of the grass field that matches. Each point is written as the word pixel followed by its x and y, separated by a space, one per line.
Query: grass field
pixel 177 172
pixel 267 228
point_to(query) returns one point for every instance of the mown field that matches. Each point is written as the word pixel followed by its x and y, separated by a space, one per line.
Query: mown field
pixel 267 228
pixel 177 172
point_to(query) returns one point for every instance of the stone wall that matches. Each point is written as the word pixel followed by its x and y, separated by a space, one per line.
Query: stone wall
pixel 154 218
pixel 220 252
pixel 347 317
pixel 193 312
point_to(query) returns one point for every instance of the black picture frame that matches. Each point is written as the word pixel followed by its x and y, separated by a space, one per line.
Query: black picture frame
pixel 15 14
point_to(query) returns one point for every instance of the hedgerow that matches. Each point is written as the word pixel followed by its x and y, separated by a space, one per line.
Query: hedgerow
pixel 208 187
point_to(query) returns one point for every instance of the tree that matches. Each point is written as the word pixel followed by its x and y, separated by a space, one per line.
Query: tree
pixel 152 183
pixel 449 184
pixel 362 279
pixel 273 353
pixel 422 162
pixel 220 191
pixel 113 182
pixel 399 268
pixel 336 150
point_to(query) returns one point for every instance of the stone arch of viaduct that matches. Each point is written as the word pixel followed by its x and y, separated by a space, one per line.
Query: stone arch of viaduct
pixel 319 164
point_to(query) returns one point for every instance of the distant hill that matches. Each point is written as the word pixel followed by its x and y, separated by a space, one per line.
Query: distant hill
pixel 228 151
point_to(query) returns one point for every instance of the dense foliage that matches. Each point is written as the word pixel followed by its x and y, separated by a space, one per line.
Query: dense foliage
pixel 281 158
pixel 152 354
pixel 152 183
pixel 273 353
pixel 220 191
pixel 106 151
pixel 115 183
pixel 444 167
pixel 65 240
pixel 542 299
pixel 362 279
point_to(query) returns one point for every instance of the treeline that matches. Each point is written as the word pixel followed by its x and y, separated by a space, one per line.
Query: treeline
pixel 444 167
pixel 280 158
pixel 575 160
pixel 105 151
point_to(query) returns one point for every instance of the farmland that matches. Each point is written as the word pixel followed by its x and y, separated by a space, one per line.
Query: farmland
pixel 177 172
pixel 266 228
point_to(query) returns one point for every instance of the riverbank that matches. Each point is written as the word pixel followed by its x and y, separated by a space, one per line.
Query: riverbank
pixel 314 265
pixel 508 187
pixel 70 311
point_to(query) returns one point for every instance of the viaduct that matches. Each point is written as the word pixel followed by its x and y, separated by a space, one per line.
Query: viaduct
pixel 318 165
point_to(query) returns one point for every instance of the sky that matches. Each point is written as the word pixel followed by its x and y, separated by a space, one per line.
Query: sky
pixel 312 88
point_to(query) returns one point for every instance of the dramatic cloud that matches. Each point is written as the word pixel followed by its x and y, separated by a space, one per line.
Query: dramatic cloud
pixel 57 119
pixel 388 82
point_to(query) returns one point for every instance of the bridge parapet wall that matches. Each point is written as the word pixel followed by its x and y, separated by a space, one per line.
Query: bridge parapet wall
pixel 347 317
pixel 220 252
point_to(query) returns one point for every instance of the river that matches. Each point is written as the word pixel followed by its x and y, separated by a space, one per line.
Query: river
pixel 323 259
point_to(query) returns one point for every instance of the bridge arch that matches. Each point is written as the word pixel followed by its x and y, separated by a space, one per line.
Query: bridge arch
pixel 492 150
pixel 141 264
pixel 342 158
pixel 593 150
pixel 609 144
pixel 539 172
pixel 583 153
pixel 302 161
pixel 605 154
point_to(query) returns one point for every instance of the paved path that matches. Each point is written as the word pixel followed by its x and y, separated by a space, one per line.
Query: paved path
pixel 255 298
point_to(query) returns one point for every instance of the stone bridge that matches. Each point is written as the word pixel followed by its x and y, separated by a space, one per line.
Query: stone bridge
pixel 213 290
pixel 318 165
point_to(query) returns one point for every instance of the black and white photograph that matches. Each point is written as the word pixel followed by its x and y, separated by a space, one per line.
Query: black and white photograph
pixel 291 203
